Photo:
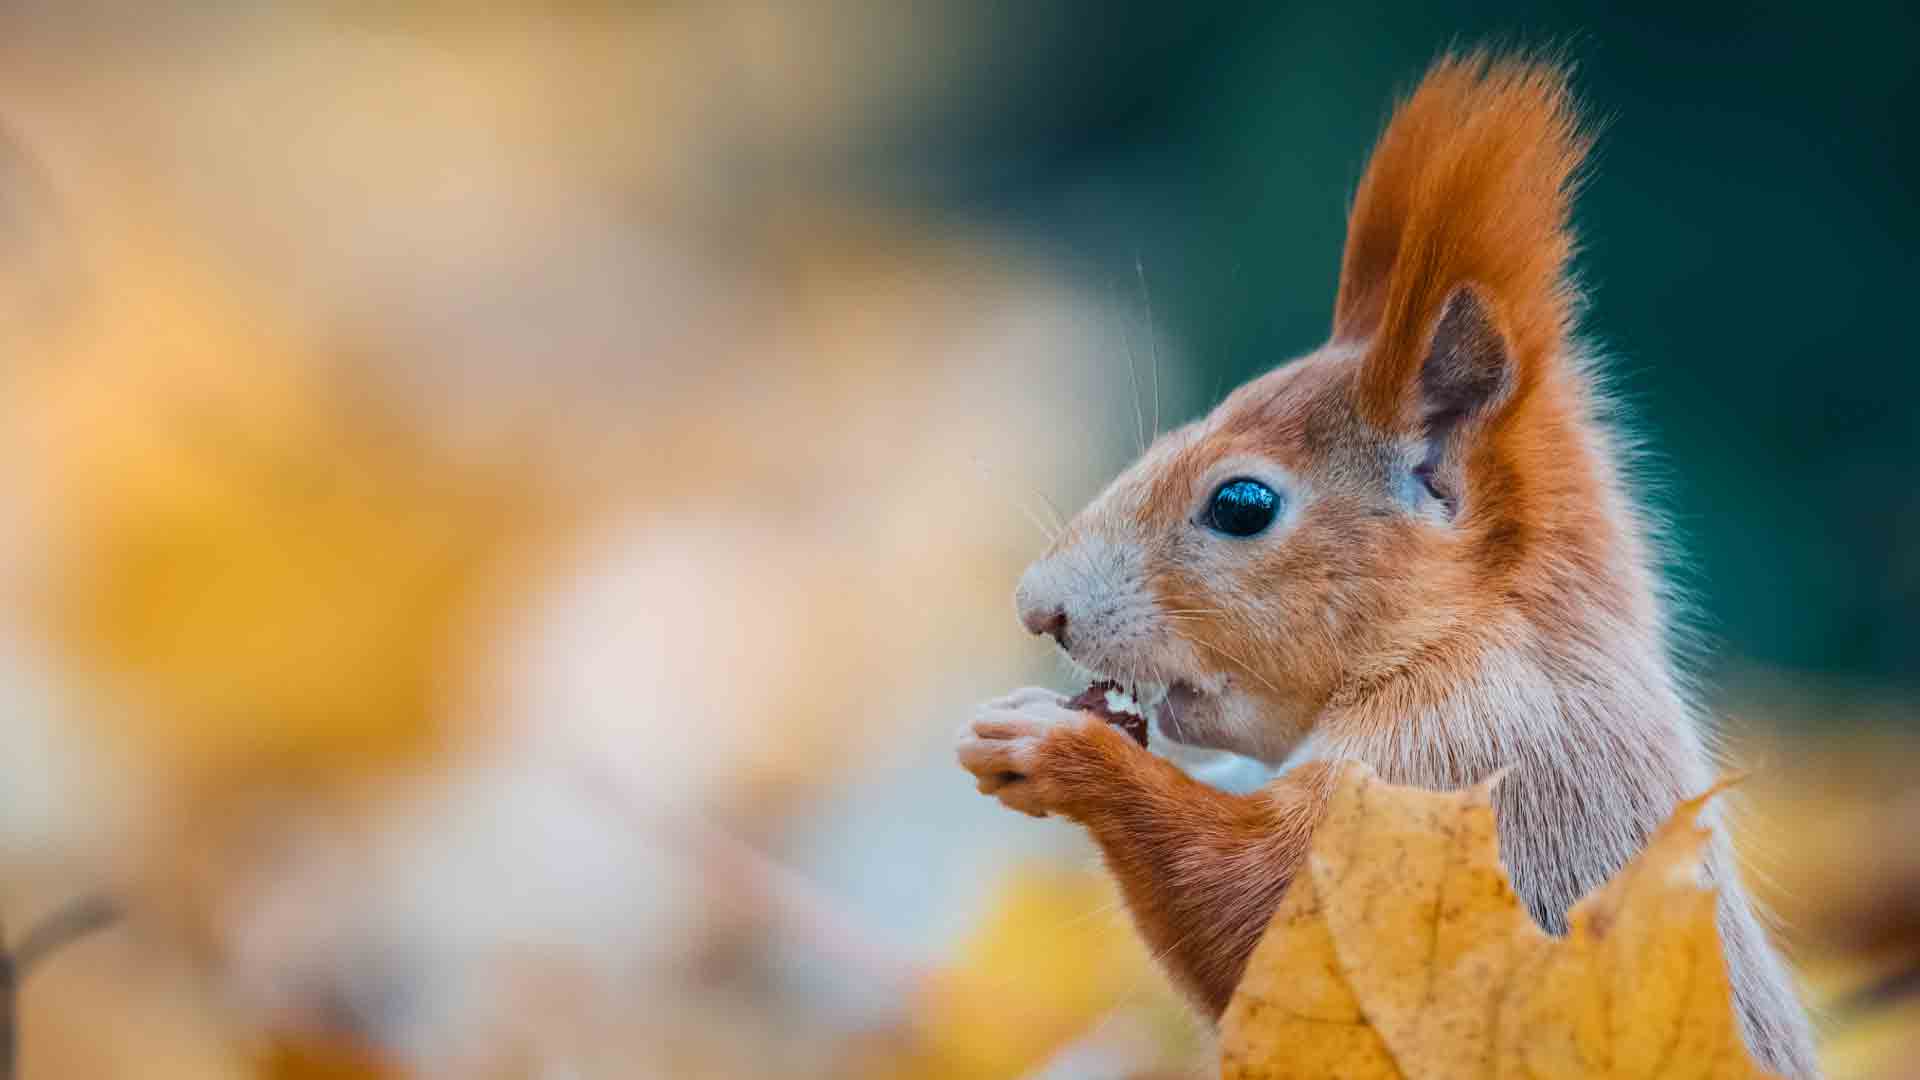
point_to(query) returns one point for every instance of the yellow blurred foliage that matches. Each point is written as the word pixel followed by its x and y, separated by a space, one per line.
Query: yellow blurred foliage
pixel 1051 961
pixel 292 1060
pixel 1827 833
pixel 271 583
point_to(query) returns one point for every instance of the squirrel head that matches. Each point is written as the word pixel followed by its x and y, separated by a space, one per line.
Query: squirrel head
pixel 1370 518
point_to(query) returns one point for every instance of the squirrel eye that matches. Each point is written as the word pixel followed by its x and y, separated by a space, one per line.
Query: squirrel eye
pixel 1242 507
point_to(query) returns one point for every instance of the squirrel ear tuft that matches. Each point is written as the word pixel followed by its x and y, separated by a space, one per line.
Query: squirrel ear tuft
pixel 1470 183
pixel 1466 374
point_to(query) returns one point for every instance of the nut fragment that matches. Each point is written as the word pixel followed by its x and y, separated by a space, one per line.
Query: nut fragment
pixel 1110 702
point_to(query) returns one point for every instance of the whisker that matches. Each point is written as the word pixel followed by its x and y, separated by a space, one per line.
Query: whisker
pixel 1248 668
pixel 1133 378
pixel 1153 338
pixel 1052 535
pixel 1099 911
pixel 1059 520
pixel 1160 957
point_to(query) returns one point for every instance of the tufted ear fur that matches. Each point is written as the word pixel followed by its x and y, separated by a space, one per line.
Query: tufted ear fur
pixel 1458 242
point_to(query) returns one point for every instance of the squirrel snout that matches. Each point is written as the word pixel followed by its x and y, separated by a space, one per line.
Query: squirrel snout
pixel 1049 621
pixel 1041 612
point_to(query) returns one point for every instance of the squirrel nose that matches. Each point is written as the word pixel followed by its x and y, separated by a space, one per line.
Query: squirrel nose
pixel 1049 621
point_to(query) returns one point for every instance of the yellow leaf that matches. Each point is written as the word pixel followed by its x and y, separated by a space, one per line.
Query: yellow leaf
pixel 1401 949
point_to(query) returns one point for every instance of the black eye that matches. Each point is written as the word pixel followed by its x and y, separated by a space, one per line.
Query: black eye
pixel 1243 507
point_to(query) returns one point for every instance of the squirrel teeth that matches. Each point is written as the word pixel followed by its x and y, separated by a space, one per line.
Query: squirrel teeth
pixel 1121 701
pixel 1116 705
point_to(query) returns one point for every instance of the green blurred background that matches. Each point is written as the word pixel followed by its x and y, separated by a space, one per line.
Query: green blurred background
pixel 1749 230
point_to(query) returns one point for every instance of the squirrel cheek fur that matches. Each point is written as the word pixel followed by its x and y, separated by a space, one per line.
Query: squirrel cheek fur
pixel 1460 582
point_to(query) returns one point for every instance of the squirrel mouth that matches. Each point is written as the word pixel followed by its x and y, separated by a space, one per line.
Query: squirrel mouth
pixel 1168 705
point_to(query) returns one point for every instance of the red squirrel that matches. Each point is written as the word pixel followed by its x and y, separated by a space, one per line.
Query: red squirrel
pixel 1415 548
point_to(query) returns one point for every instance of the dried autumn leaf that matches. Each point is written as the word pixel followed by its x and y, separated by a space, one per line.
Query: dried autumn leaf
pixel 1401 949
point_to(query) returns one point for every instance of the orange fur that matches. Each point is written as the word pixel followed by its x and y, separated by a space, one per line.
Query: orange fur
pixel 1460 584
pixel 1470 183
pixel 1233 855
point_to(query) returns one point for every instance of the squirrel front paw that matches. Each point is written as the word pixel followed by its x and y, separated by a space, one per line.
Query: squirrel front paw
pixel 1036 755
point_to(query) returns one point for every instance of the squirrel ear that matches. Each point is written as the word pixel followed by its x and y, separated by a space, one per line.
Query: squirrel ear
pixel 1466 374
pixel 1470 183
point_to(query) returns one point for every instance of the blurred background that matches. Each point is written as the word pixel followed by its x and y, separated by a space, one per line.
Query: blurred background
pixel 502 512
